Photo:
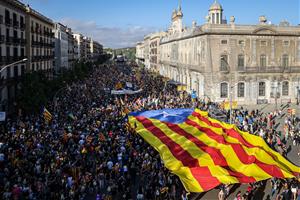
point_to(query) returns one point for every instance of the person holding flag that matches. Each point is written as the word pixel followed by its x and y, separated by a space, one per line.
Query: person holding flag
pixel 47 115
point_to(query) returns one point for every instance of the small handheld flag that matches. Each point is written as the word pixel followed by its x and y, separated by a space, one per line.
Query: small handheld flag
pixel 47 115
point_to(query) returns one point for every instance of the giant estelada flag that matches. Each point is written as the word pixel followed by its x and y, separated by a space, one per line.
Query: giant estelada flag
pixel 204 152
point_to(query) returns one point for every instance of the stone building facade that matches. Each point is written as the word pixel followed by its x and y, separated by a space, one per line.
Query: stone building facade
pixel 71 48
pixel 251 64
pixel 40 42
pixel 140 53
pixel 96 50
pixel 79 43
pixel 154 50
pixel 61 47
pixel 12 49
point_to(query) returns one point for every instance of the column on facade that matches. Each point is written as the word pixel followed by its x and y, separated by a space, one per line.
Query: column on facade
pixel 188 75
pixel 253 51
pixel 180 75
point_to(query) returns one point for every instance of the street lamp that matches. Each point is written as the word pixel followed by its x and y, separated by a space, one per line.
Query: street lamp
pixel 6 66
pixel 14 63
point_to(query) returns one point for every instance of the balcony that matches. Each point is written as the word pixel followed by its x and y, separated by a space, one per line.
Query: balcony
pixel 16 41
pixel 22 26
pixel 8 21
pixel 294 69
pixel 16 58
pixel 240 68
pixel 22 42
pixel 35 43
pixel 2 39
pixel 35 58
pixel 15 24
pixel 9 40
pixel 2 60
pixel 50 45
pixel 9 59
pixel 195 68
pixel 272 69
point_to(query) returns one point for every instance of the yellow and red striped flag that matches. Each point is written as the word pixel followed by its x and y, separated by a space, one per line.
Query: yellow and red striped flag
pixel 204 152
pixel 47 115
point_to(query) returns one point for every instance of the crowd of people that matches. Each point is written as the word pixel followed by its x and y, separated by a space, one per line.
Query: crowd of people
pixel 87 149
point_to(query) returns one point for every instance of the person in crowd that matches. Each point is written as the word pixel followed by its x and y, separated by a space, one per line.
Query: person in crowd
pixel 89 149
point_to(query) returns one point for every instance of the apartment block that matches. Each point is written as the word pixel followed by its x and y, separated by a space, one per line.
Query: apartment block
pixel 12 49
pixel 61 48
pixel 40 42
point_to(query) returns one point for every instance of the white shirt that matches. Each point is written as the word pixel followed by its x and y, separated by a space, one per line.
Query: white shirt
pixel 1 156
pixel 110 164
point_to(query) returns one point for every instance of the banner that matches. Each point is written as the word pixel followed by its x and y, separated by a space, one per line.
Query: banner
pixel 181 88
pixel 226 105
pixel 2 116
pixel 126 91
pixel 204 152
pixel 119 86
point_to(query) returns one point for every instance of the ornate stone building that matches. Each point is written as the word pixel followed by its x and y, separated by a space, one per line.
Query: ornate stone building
pixel 250 63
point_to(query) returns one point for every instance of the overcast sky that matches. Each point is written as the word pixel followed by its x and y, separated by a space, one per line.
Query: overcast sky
pixel 121 23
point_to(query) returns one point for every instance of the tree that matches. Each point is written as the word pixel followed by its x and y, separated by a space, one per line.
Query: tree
pixel 33 94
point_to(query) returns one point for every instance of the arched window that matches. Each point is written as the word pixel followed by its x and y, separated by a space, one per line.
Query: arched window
pixel 224 90
pixel 285 60
pixel 213 18
pixel 224 63
pixel 263 60
pixel 261 89
pixel 218 18
pixel 241 61
pixel 241 89
pixel 285 88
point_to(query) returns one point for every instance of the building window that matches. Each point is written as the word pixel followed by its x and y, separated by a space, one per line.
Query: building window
pixel 263 43
pixel 16 71
pixel 285 88
pixel 263 60
pixel 22 52
pixel 22 70
pixel 241 61
pixel 241 89
pixel 261 89
pixel 8 73
pixel 286 43
pixel 242 42
pixel 224 63
pixel 223 41
pixel 8 51
pixel 285 60
pixel 7 17
pixel 224 90
pixel 213 18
